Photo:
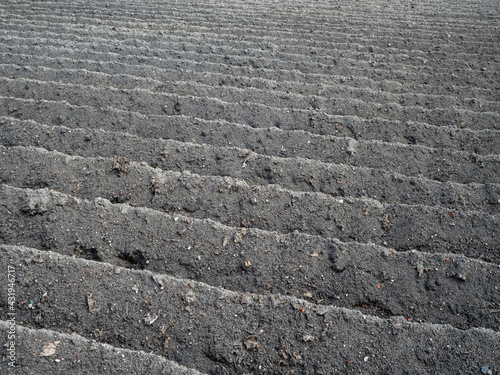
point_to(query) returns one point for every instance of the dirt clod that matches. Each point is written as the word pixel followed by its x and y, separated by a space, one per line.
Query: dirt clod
pixel 92 304
pixel 121 164
pixel 251 343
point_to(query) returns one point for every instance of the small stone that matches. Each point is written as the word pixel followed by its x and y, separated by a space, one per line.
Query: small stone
pixel 322 310
pixel 158 279
pixel 314 254
pixel 190 296
pixel 351 147
pixel 366 359
pixel 486 370
pixel 386 252
pixel 150 319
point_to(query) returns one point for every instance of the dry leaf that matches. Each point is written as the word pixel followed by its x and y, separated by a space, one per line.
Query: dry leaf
pixel 246 298
pixel 238 237
pixel 251 343
pixel 92 303
pixel 121 164
pixel 49 348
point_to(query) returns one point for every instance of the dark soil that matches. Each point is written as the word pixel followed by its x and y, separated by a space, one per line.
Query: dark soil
pixel 250 187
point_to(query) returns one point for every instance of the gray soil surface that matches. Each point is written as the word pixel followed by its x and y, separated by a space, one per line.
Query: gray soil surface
pixel 250 187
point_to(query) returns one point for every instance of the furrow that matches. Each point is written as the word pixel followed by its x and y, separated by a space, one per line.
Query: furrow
pixel 250 187
pixel 353 103
pixel 449 116
pixel 436 164
pixel 213 330
pixel 266 68
pixel 413 133
pixel 296 174
pixel 398 26
pixel 378 49
pixel 301 24
pixel 233 202
pixel 365 277
pixel 369 43
pixel 74 351
pixel 218 74
pixel 278 99
pixel 480 71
